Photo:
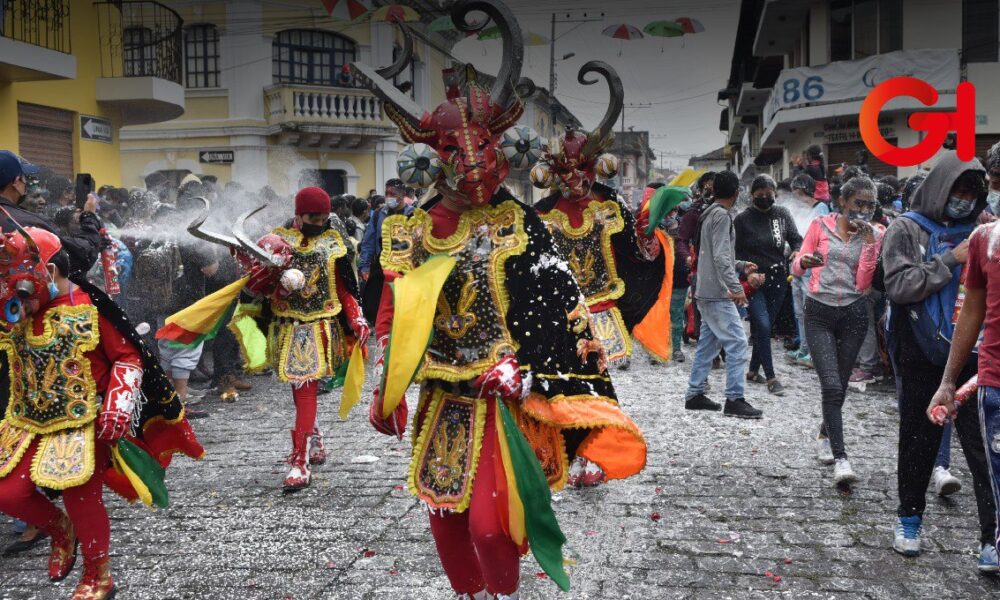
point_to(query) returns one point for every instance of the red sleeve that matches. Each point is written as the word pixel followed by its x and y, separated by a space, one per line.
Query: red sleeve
pixel 115 347
pixel 347 299
pixel 978 250
pixel 383 322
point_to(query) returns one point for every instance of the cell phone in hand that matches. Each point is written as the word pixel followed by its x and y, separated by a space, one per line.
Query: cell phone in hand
pixel 83 188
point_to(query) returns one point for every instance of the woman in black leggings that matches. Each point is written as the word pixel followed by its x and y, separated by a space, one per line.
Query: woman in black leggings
pixel 841 249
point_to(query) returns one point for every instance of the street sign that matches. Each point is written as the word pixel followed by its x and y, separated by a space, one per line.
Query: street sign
pixel 96 129
pixel 217 157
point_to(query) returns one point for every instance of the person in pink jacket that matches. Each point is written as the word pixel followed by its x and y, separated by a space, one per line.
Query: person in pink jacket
pixel 841 250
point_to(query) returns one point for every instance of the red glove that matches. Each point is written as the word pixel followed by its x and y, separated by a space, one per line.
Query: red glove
pixel 502 380
pixel 396 423
pixel 119 402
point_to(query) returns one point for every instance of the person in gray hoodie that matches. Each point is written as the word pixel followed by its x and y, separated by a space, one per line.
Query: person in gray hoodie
pixel 717 292
pixel 923 272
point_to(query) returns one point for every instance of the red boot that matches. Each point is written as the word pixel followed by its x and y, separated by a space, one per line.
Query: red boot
pixel 64 544
pixel 96 583
pixel 317 451
pixel 298 476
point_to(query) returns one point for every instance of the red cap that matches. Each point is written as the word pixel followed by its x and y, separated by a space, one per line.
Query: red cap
pixel 312 200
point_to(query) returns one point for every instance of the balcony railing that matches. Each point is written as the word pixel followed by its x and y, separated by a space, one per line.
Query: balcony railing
pixel 140 39
pixel 285 104
pixel 42 23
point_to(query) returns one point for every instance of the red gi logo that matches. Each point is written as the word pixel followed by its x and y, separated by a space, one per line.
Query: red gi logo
pixel 936 124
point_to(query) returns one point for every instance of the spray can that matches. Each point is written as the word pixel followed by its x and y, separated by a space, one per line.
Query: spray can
pixel 939 415
pixel 109 264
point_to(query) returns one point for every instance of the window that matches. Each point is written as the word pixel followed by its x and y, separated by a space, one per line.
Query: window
pixel 138 52
pixel 405 81
pixel 310 57
pixel 980 24
pixel 201 56
pixel 863 28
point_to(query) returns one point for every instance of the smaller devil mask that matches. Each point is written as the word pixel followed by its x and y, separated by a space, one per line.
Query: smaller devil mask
pixel 24 258
pixel 572 163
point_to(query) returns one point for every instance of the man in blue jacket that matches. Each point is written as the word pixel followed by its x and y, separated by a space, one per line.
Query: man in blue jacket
pixel 371 246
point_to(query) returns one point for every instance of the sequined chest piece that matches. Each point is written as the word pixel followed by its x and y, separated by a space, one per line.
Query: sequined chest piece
pixel 470 332
pixel 316 259
pixel 588 249
pixel 52 387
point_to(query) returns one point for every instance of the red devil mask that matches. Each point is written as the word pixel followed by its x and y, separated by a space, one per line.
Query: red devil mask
pixel 573 161
pixel 24 258
pixel 466 130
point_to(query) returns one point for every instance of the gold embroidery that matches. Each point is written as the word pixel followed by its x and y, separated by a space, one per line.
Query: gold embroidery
pixel 51 384
pixel 485 237
pixel 598 273
pixel 458 324
pixel 64 459
pixel 446 449
pixel 316 257
pixel 305 352
pixel 609 327
pixel 14 443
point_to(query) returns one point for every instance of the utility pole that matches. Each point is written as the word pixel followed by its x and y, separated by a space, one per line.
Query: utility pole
pixel 553 106
pixel 621 143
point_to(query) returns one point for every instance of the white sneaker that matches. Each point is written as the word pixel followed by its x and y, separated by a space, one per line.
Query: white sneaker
pixel 945 484
pixel 843 474
pixel 824 453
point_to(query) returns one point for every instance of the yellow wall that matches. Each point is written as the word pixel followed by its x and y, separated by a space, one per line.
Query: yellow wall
pixel 76 95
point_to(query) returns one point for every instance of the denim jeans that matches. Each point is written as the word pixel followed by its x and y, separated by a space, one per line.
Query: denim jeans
pixel 836 333
pixel 868 357
pixel 799 304
pixel 765 304
pixel 677 317
pixel 989 416
pixel 943 459
pixel 721 329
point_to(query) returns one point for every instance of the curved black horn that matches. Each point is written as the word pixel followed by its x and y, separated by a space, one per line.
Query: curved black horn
pixel 248 244
pixel 405 56
pixel 195 229
pixel 616 103
pixel 513 43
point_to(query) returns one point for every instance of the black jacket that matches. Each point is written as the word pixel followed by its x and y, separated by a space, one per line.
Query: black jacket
pixel 83 249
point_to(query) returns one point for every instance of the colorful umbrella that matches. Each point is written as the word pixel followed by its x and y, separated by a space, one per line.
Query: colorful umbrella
pixel 395 13
pixel 690 25
pixel 347 10
pixel 530 38
pixel 443 24
pixel 667 29
pixel 623 31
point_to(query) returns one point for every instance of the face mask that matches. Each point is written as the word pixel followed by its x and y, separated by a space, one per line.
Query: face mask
pixel 854 215
pixel 957 208
pixel 310 230
pixel 993 199
pixel 763 202
pixel 671 223
pixel 392 203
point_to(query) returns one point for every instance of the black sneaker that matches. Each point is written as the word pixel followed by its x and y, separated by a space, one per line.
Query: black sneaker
pixel 679 356
pixel 741 409
pixel 701 402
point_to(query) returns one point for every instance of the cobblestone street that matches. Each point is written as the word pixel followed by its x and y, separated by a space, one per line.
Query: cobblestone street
pixel 724 509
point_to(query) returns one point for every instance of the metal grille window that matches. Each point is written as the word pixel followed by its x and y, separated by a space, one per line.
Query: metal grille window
pixel 310 57
pixel 201 56
pixel 138 46
pixel 980 31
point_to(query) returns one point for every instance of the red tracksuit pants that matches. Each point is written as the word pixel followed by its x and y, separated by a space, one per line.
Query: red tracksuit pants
pixel 475 550
pixel 20 499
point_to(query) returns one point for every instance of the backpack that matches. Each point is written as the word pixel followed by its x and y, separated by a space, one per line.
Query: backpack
pixel 154 270
pixel 932 319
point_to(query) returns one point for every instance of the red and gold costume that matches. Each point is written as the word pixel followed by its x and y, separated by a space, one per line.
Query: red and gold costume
pixel 621 269
pixel 511 362
pixel 77 391
pixel 304 319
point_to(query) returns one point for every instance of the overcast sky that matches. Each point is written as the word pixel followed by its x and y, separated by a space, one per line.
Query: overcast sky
pixel 680 77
